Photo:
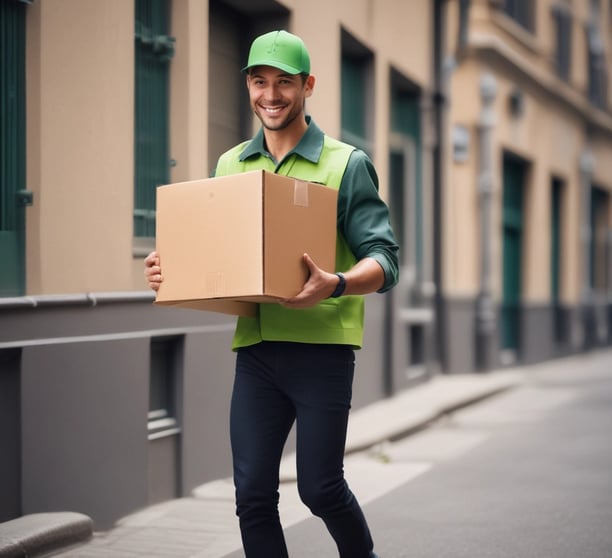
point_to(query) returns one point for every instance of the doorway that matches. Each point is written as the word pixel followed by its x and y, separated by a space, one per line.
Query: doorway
pixel 513 230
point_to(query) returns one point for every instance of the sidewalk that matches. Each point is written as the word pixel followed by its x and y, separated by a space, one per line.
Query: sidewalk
pixel 204 525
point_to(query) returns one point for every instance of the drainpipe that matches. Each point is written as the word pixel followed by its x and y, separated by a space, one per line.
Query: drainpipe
pixel 485 310
pixel 440 102
pixel 443 68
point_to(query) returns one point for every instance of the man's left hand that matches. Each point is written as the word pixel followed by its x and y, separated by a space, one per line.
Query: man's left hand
pixel 319 286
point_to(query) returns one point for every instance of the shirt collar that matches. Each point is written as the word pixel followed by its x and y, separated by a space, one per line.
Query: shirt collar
pixel 309 147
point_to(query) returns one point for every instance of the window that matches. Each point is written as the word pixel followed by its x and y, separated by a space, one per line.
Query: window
pixel 521 11
pixel 406 193
pixel 356 93
pixel 598 76
pixel 166 354
pixel 563 40
pixel 154 49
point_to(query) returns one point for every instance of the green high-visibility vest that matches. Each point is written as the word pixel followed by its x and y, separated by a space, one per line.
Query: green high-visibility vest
pixel 334 320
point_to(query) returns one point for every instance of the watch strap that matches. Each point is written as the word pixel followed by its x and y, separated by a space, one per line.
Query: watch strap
pixel 340 287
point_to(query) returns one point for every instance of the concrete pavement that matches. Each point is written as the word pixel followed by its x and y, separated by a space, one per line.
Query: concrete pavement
pixel 526 474
pixel 204 525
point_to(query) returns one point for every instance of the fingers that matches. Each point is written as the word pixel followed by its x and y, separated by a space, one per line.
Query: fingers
pixel 155 279
pixel 312 266
pixel 152 271
pixel 152 259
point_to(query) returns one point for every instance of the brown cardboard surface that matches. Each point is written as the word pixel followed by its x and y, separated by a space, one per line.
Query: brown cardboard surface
pixel 227 242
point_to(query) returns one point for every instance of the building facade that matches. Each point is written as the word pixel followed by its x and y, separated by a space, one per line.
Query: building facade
pixel 490 126
pixel 527 266
pixel 107 403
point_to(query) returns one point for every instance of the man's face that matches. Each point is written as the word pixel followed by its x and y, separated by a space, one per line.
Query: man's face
pixel 277 98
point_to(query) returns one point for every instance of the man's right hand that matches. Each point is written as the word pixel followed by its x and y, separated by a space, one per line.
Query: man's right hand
pixel 152 271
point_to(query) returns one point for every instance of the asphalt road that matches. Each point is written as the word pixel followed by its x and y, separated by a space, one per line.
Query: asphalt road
pixel 526 474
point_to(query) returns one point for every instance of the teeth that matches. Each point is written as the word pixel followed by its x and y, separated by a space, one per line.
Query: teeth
pixel 273 110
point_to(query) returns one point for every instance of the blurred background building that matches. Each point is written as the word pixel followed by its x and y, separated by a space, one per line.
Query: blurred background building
pixel 490 124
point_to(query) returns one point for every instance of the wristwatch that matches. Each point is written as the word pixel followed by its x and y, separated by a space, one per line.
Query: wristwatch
pixel 340 287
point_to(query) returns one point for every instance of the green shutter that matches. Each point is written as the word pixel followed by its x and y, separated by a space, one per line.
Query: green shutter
pixel 154 49
pixel 12 148
pixel 512 252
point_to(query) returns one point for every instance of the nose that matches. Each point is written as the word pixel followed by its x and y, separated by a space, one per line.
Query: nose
pixel 272 93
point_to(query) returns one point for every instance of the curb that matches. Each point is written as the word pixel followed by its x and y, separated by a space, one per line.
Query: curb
pixel 417 407
pixel 414 409
pixel 38 534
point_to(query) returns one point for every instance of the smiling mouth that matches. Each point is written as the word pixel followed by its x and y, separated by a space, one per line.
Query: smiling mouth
pixel 272 110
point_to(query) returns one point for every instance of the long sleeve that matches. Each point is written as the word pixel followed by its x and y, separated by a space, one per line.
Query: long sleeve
pixel 363 217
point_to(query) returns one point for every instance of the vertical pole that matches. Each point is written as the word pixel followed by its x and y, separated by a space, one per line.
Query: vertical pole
pixel 440 108
pixel 485 311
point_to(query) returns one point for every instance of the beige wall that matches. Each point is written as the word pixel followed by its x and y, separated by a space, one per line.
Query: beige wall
pixel 189 91
pixel 79 145
pixel 602 175
pixel 80 118
pixel 460 203
pixel 80 81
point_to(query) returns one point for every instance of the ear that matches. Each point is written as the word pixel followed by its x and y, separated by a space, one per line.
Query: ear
pixel 309 85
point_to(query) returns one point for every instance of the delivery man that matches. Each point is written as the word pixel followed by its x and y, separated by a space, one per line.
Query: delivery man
pixel 295 359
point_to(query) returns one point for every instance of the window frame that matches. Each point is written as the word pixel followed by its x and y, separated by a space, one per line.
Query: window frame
pixel 166 358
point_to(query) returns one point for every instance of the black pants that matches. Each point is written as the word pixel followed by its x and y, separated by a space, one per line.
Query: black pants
pixel 275 385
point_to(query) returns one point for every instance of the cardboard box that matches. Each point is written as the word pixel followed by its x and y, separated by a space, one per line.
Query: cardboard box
pixel 230 242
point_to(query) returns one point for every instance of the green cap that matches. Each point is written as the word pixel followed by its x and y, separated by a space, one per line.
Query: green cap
pixel 281 50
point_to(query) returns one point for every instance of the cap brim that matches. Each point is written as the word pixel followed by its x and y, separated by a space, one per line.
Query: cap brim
pixel 273 64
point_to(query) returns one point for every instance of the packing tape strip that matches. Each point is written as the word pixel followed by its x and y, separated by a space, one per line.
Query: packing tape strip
pixel 300 193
